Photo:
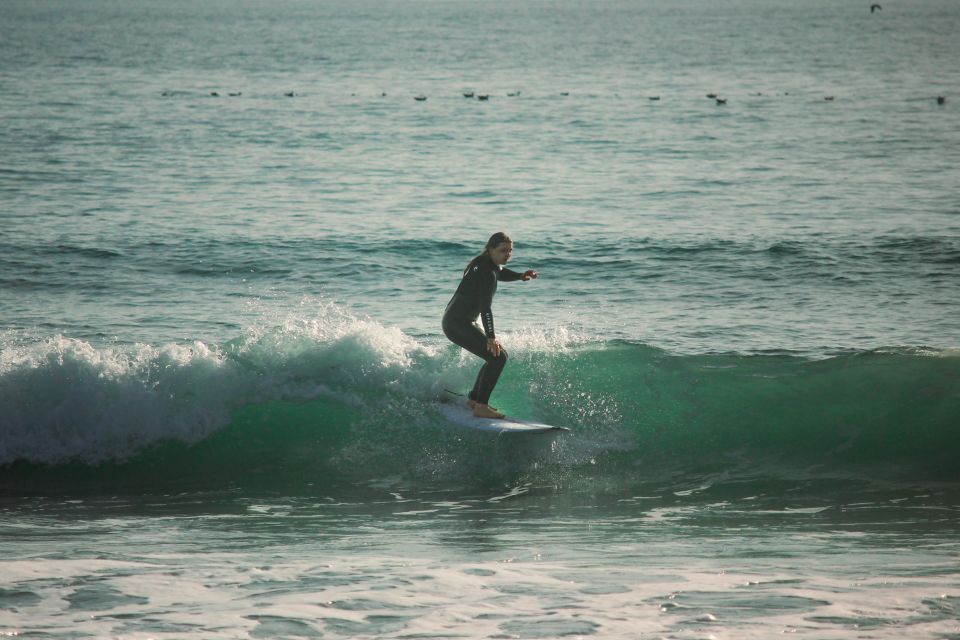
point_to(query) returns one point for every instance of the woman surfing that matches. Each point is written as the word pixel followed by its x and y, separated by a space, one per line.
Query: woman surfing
pixel 473 298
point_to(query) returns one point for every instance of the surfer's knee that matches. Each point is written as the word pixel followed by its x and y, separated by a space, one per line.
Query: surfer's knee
pixel 502 358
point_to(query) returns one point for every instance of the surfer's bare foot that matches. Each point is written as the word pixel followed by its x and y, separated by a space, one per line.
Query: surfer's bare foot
pixel 485 411
pixel 473 404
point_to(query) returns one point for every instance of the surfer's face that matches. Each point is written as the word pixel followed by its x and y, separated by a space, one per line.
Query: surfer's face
pixel 502 252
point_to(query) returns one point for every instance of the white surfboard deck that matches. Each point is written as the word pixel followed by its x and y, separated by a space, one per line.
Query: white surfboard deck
pixel 460 414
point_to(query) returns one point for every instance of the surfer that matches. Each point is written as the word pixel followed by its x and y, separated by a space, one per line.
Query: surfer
pixel 473 298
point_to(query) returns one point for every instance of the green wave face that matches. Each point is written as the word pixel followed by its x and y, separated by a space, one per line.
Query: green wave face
pixel 306 412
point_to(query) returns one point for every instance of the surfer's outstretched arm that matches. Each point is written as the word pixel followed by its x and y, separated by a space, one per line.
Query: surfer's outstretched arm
pixel 509 275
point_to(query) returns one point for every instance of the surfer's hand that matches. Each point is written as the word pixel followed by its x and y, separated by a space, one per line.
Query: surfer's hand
pixel 493 346
pixel 530 274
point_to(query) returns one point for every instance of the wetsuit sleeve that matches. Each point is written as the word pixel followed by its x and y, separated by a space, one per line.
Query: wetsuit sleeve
pixel 508 275
pixel 486 304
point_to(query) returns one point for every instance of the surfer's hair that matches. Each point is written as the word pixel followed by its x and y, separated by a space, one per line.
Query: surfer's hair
pixel 495 241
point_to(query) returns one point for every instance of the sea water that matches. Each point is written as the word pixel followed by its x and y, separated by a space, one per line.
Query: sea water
pixel 228 232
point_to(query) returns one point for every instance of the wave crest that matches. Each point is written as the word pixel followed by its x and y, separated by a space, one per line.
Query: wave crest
pixel 319 386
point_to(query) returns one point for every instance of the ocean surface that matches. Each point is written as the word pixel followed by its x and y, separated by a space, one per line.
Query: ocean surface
pixel 227 234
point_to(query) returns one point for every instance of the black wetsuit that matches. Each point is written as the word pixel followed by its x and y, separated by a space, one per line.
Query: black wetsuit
pixel 473 298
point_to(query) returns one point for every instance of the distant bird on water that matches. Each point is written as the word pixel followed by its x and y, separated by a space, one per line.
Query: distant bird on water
pixel 875 7
pixel 941 99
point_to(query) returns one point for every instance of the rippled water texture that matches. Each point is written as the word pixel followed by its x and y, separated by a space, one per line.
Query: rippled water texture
pixel 527 563
pixel 139 207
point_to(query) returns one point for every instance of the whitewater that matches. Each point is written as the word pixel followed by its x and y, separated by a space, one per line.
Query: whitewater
pixel 227 235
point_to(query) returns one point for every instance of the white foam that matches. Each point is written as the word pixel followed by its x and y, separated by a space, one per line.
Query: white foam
pixel 65 399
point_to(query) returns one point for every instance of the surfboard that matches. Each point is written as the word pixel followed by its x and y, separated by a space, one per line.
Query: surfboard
pixel 459 414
